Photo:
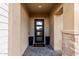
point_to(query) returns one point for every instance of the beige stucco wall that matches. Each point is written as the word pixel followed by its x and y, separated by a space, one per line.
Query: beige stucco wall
pixel 14 29
pixel 24 28
pixel 18 29
pixel 51 25
pixel 68 14
pixel 58 27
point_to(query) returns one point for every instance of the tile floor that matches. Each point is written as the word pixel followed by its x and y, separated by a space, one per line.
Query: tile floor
pixel 40 51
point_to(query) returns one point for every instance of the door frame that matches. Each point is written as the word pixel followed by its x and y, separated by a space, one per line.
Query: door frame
pixel 35 29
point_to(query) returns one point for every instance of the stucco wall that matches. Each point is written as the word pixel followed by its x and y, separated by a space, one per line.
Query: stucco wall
pixel 18 29
pixel 24 28
pixel 14 29
pixel 51 23
pixel 68 14
pixel 58 27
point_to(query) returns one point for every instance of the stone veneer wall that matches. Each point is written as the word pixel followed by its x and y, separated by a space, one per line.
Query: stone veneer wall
pixel 77 44
pixel 68 44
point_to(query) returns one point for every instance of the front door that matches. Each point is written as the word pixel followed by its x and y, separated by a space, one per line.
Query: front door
pixel 39 31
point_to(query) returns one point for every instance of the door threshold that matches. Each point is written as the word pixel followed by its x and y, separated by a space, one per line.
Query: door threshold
pixel 38 45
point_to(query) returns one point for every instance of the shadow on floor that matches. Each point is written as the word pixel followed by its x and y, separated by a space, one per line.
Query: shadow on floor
pixel 41 51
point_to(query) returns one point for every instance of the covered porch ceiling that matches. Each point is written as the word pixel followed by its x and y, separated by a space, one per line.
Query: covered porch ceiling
pixel 41 8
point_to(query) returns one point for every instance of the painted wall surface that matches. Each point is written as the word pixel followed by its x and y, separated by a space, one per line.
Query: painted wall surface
pixel 68 14
pixel 51 23
pixel 18 29
pixel 24 28
pixel 14 29
pixel 54 28
pixel 3 29
pixel 58 27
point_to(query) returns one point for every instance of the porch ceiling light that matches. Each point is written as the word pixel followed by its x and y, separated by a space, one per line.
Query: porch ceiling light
pixel 39 6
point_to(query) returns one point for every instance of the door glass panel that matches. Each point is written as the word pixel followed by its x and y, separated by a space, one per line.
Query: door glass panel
pixel 39 23
pixel 39 27
pixel 39 33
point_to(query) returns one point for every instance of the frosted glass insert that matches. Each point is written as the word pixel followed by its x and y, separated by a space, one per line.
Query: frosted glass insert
pixel 39 27
pixel 38 33
pixel 39 23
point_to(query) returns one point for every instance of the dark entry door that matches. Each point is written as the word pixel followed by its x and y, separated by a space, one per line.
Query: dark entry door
pixel 39 31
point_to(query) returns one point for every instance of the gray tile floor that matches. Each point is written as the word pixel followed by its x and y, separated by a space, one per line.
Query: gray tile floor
pixel 40 51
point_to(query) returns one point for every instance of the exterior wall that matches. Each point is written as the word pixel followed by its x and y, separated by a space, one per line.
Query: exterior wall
pixel 68 17
pixel 3 29
pixel 18 29
pixel 68 39
pixel 76 26
pixel 58 27
pixel 24 28
pixel 51 30
pixel 14 29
